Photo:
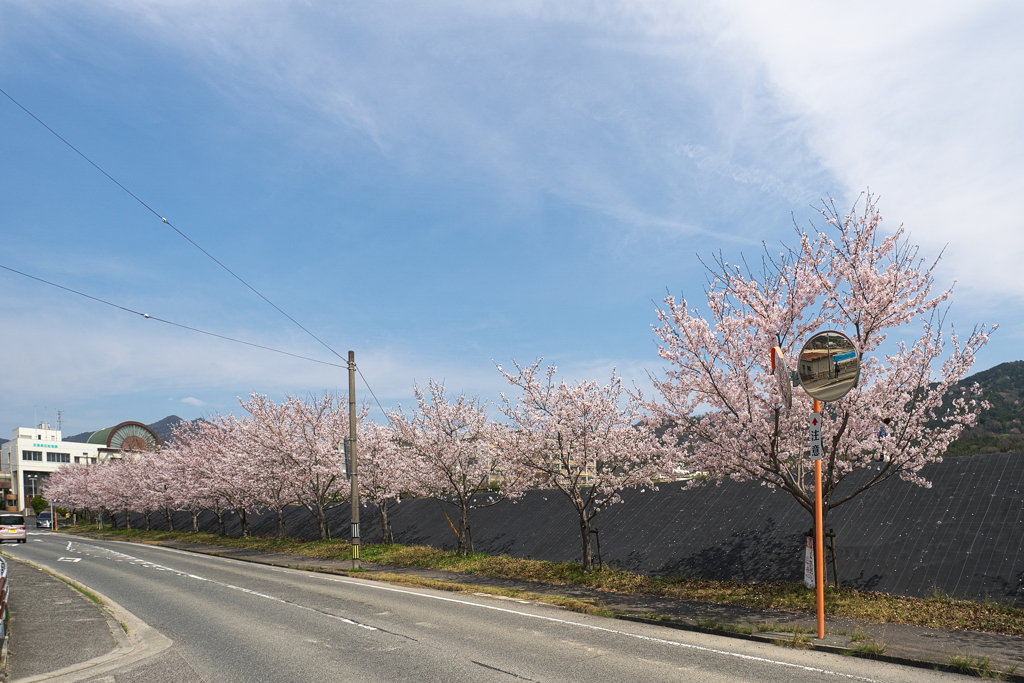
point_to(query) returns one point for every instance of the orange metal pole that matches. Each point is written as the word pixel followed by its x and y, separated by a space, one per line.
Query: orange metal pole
pixel 819 542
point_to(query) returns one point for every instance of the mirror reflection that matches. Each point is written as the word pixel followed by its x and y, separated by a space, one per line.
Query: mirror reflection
pixel 829 366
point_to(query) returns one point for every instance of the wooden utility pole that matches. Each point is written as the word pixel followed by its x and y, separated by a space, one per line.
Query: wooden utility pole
pixel 353 460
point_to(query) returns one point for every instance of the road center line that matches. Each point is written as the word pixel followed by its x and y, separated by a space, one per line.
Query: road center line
pixel 601 628
pixel 147 563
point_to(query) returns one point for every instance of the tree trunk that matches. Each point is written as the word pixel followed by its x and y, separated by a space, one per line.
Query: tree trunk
pixel 195 520
pixel 325 528
pixel 243 517
pixel 280 522
pixel 463 523
pixel 169 514
pixel 588 557
pixel 127 520
pixel 149 522
pixel 321 521
pixel 385 527
pixel 220 522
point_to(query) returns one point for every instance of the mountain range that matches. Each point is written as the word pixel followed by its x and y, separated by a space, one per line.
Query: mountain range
pixel 163 430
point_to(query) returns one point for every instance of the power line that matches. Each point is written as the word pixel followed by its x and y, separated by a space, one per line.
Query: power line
pixel 196 245
pixel 170 322
pixel 163 219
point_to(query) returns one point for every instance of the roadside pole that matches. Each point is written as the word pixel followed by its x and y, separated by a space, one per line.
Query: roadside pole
pixel 353 460
pixel 823 389
pixel 819 538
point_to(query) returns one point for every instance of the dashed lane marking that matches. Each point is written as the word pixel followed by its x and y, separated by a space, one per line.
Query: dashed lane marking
pixel 152 565
pixel 606 630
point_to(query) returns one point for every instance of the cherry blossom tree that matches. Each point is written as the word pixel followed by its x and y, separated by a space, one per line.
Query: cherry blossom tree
pixel 185 474
pixel 119 488
pixel 275 485
pixel 74 487
pixel 386 470
pixel 720 396
pixel 452 441
pixel 589 441
pixel 305 436
pixel 235 476
pixel 161 488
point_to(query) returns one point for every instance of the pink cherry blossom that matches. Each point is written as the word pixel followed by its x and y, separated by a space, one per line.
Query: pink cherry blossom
pixel 719 393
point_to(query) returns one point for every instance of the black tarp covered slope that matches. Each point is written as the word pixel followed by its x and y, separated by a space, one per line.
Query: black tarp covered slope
pixel 962 537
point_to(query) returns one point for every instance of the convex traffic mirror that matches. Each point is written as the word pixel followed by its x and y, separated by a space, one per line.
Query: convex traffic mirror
pixel 829 366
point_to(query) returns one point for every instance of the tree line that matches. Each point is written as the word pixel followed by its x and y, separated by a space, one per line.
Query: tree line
pixel 718 412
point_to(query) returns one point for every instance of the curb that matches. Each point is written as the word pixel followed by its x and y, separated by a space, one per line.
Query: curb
pixel 140 642
pixel 832 649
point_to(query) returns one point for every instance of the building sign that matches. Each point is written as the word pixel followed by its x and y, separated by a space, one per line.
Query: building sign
pixel 44 445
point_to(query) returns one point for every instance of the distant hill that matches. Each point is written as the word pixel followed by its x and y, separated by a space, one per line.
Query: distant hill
pixel 999 428
pixel 163 430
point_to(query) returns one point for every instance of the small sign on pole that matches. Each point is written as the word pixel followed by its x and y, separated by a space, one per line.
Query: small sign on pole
pixel 815 425
pixel 782 377
pixel 809 563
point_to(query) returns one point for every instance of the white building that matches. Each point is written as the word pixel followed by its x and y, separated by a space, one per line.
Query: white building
pixel 33 454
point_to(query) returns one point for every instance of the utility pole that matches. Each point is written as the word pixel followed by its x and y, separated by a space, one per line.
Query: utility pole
pixel 353 460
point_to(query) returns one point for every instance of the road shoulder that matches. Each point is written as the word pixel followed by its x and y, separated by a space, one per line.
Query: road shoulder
pixel 59 634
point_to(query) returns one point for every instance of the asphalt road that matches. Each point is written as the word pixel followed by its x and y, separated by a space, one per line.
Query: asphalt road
pixel 235 621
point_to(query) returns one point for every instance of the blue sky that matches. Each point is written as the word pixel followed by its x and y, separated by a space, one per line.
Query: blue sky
pixel 439 186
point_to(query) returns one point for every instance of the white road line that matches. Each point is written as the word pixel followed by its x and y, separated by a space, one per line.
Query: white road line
pixel 147 564
pixel 601 628
pixel 474 604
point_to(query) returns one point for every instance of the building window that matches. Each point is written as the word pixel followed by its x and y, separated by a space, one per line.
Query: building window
pixel 58 457
pixel 32 455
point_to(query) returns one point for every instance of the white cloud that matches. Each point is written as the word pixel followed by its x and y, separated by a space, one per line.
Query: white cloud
pixel 919 101
pixel 193 401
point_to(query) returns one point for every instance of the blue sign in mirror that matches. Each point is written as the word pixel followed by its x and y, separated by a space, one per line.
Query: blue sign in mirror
pixel 829 366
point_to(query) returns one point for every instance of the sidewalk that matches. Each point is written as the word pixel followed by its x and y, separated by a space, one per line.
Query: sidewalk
pixel 52 624
pixel 910 645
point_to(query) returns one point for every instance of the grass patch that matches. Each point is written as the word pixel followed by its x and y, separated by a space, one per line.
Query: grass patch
pixel 799 641
pixel 939 611
pixel 870 648
pixel 124 627
pixel 334 549
pixel 974 666
pixel 858 636
pixel 713 625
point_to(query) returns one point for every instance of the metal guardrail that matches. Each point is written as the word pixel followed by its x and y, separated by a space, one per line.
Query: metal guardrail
pixel 4 590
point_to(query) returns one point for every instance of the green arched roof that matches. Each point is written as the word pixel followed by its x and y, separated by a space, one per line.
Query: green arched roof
pixel 100 437
pixel 112 437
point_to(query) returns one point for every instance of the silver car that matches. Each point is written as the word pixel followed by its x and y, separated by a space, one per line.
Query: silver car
pixel 44 520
